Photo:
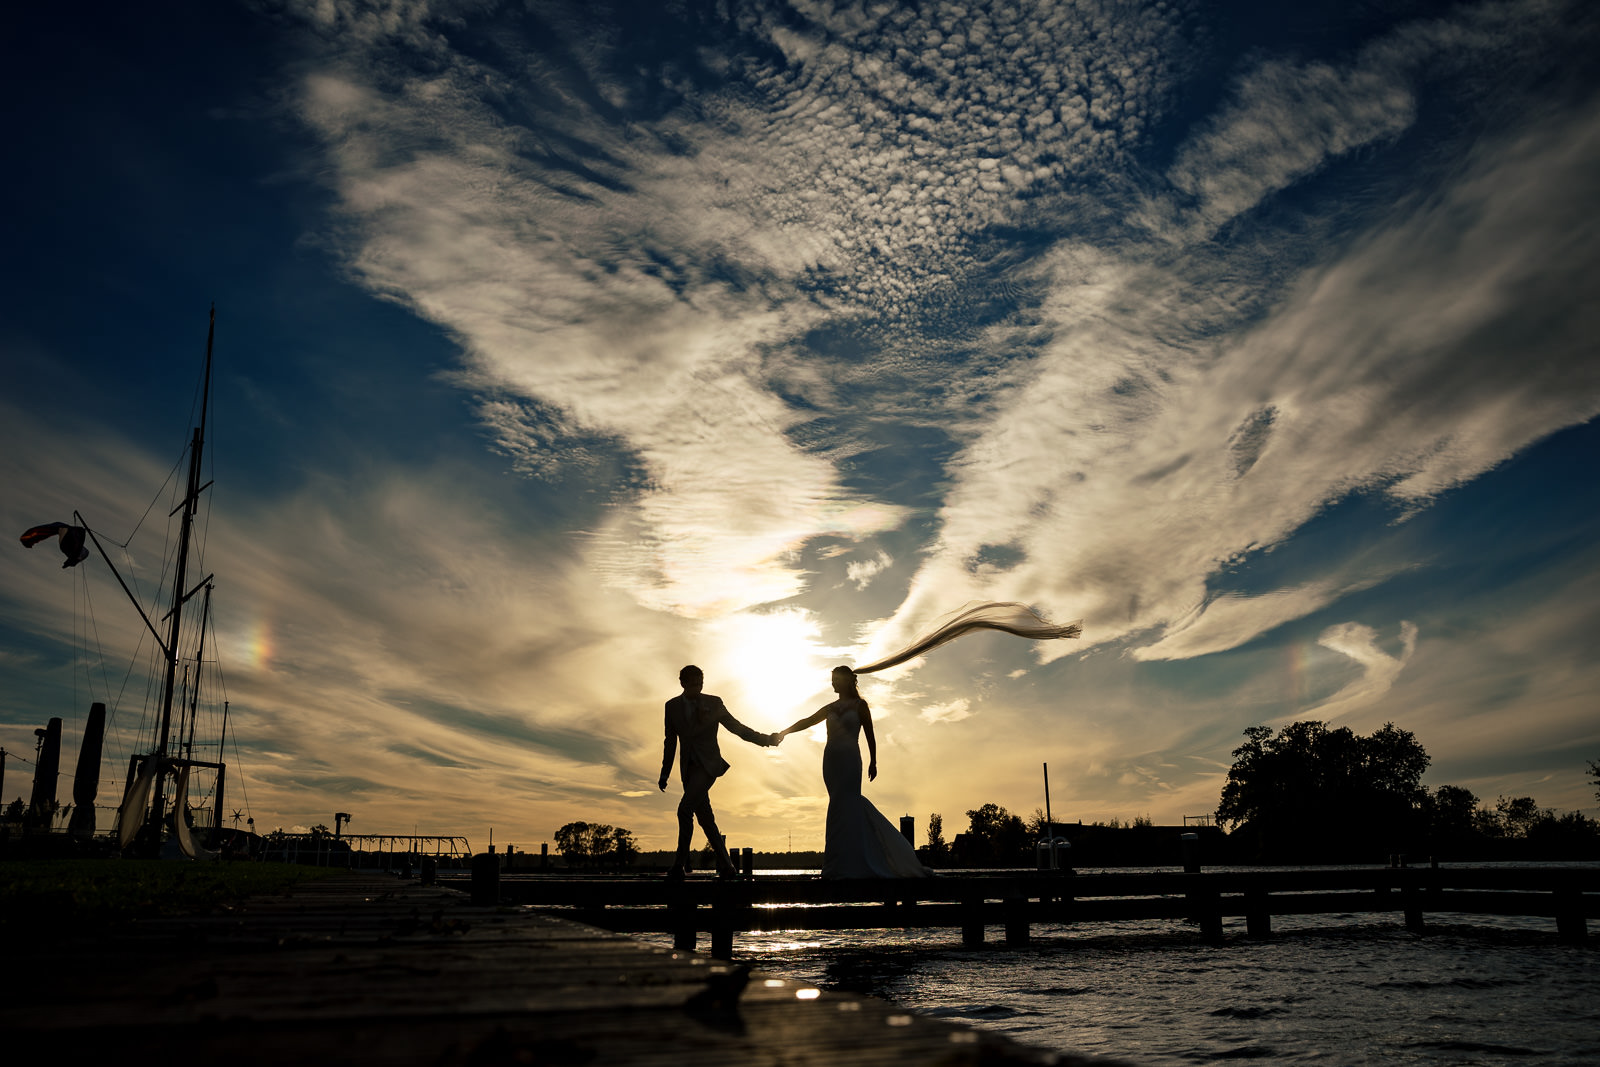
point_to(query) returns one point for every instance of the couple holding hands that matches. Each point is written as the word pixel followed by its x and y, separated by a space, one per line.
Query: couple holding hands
pixel 861 843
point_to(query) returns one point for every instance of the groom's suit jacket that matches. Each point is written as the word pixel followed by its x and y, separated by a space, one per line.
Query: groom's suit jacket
pixel 697 729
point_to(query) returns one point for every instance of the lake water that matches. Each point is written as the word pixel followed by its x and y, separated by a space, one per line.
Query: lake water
pixel 1328 990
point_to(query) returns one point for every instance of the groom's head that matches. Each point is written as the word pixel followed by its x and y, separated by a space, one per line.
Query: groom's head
pixel 691 678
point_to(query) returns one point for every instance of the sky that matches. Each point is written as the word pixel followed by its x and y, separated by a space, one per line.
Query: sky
pixel 561 344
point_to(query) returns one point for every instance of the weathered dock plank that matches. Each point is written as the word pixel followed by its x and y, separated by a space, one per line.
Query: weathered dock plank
pixel 366 966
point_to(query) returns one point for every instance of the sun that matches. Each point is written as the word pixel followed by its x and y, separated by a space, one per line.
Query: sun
pixel 770 668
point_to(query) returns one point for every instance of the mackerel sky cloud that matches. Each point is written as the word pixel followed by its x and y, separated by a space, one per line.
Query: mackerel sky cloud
pixel 579 341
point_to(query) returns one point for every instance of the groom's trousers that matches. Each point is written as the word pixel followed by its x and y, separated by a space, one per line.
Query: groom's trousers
pixel 696 804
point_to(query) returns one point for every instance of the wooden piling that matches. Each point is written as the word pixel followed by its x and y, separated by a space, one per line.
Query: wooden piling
pixel 1411 902
pixel 685 923
pixel 1257 915
pixel 1205 908
pixel 485 879
pixel 723 906
pixel 1015 910
pixel 1571 927
pixel 972 922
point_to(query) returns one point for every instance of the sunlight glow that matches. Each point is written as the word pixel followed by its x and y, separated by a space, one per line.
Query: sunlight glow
pixel 767 667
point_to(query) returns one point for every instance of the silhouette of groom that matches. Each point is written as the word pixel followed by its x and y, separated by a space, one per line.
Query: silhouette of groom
pixel 693 718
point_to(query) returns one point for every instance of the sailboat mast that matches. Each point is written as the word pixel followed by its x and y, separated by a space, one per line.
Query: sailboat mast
pixel 190 504
pixel 199 661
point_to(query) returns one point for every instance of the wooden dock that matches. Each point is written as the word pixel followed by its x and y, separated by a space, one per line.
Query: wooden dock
pixel 370 968
pixel 1015 902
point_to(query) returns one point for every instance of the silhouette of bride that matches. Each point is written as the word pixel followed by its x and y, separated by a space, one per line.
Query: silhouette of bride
pixel 860 842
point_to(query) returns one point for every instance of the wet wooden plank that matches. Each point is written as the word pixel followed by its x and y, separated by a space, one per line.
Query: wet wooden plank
pixel 364 966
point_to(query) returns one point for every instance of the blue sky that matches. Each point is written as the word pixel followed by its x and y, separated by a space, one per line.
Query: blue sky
pixel 561 344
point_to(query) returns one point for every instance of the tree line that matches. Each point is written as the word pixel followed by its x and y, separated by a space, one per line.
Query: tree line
pixel 1312 792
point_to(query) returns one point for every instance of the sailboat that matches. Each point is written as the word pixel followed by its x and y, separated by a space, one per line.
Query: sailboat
pixel 155 802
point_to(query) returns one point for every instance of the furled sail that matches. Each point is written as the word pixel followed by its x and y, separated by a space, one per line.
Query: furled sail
pixel 135 802
pixel 180 820
pixel 71 538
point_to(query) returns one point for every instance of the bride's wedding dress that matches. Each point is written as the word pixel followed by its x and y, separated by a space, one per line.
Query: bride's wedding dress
pixel 861 843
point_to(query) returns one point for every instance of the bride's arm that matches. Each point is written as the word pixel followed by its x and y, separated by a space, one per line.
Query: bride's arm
pixel 809 721
pixel 872 741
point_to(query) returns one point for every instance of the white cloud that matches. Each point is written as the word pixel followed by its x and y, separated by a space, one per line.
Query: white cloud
pixel 1379 668
pixel 1229 621
pixel 1284 124
pixel 861 572
pixel 952 711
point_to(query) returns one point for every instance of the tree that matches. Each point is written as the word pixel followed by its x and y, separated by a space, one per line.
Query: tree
pixel 1594 772
pixel 1519 815
pixel 1312 790
pixel 1451 813
pixel 582 842
pixel 994 835
pixel 623 846
pixel 937 847
pixel 572 841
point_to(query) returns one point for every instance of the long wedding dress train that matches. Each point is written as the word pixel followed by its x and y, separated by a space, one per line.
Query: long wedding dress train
pixel 861 843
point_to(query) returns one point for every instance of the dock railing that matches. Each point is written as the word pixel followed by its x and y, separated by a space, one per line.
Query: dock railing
pixel 1016 901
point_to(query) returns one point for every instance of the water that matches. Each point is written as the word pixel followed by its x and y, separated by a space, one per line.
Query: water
pixel 1329 990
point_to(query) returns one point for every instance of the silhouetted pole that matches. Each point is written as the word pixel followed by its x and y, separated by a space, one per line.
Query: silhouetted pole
pixel 191 502
pixel 87 784
pixel 1047 820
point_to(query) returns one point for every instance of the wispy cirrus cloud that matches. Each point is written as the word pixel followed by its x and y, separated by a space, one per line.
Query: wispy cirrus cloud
pixel 643 259
pixel 1162 435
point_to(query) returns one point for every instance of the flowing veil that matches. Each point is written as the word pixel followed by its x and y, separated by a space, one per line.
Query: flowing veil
pixel 1012 618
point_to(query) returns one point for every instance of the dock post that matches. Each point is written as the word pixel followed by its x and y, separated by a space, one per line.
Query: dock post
pixel 1063 907
pixel 749 857
pixel 722 909
pixel 1205 908
pixel 1016 915
pixel 485 879
pixel 1411 901
pixel 1189 844
pixel 685 928
pixel 972 922
pixel 1257 915
pixel 1571 928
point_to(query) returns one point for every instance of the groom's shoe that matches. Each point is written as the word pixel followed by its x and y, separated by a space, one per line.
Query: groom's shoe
pixel 676 873
pixel 727 873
